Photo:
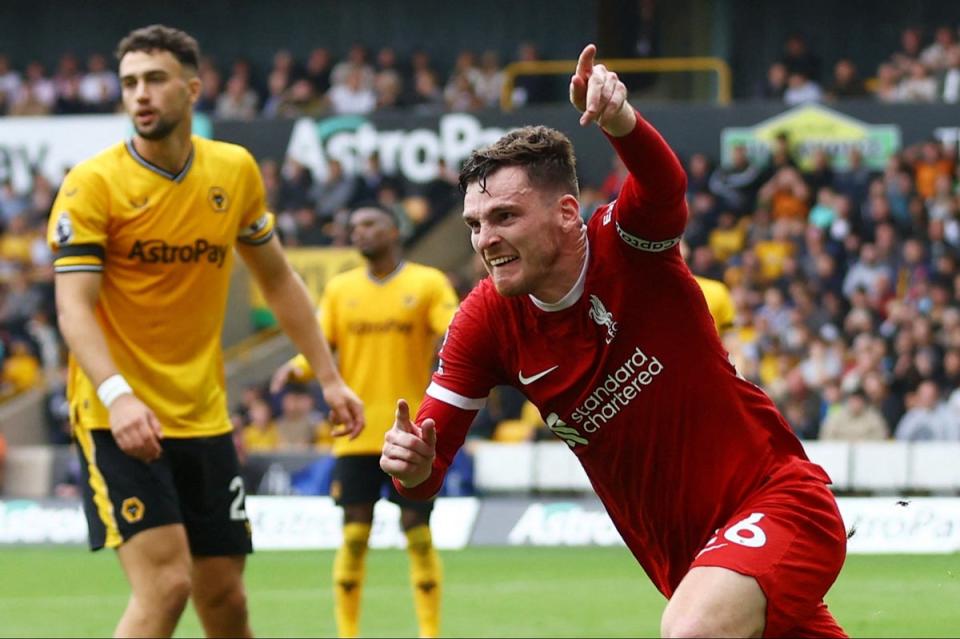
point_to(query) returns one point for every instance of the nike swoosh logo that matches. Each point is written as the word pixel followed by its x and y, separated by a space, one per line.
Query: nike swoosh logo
pixel 533 378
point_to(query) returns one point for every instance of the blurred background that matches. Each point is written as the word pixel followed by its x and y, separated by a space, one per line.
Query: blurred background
pixel 820 140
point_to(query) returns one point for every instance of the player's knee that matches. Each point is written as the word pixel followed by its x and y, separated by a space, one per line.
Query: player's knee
pixel 230 596
pixel 171 591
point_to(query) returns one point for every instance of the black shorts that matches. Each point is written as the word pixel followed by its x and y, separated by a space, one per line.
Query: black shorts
pixel 358 479
pixel 196 482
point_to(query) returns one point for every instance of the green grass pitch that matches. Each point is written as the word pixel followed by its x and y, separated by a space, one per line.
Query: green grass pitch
pixel 494 592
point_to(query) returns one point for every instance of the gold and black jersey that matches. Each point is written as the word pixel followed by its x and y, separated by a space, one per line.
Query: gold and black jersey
pixel 719 302
pixel 163 243
pixel 385 333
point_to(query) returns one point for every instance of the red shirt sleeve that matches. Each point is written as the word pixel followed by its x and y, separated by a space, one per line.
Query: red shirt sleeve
pixel 651 205
pixel 452 426
pixel 469 368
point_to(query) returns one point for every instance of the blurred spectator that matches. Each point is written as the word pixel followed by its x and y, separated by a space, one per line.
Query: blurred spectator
pixel 37 94
pixel 918 86
pixel 387 81
pixel 798 59
pixel 855 420
pixel 846 82
pixel 317 71
pixel 801 89
pixel 301 100
pixel 928 418
pixel 735 185
pixel 930 167
pixel 775 84
pixel 356 64
pixel 887 87
pixel 300 425
pixel 353 95
pixel 21 370
pixel 277 83
pixel 459 94
pixel 936 56
pixel 530 89
pixel 488 83
pixel 210 83
pixel 239 101
pixel 99 87
pixel 949 90
pixel 909 53
pixel 698 173
pixel 9 84
pixel 260 433
pixel 786 194
pixel 334 193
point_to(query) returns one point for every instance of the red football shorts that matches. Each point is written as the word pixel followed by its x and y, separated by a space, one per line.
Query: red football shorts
pixel 789 537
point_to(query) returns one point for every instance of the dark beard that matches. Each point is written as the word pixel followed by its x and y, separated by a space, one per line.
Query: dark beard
pixel 162 129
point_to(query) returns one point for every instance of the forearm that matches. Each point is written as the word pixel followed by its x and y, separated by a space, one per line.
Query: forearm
pixel 656 173
pixel 288 299
pixel 86 341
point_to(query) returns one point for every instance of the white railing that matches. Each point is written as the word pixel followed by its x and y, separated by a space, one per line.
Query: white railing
pixel 878 467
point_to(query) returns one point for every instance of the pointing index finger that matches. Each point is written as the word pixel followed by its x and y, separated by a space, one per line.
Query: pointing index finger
pixel 585 62
pixel 403 416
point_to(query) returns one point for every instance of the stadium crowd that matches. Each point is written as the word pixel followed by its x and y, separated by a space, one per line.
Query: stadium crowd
pixel 846 282
pixel 925 68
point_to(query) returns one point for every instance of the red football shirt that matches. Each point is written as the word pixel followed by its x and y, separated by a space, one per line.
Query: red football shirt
pixel 628 370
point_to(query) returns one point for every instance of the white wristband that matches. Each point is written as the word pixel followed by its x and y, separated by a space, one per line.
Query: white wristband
pixel 112 388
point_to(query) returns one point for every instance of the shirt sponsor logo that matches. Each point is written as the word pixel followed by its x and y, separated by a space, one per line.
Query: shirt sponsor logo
pixel 615 393
pixel 365 328
pixel 159 252
pixel 599 314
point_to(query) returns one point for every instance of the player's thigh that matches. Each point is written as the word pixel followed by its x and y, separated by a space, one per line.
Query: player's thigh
pixel 357 479
pixel 157 562
pixel 123 496
pixel 212 495
pixel 791 540
pixel 715 602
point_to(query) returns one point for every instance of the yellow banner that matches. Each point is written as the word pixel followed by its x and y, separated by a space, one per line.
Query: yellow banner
pixel 316 266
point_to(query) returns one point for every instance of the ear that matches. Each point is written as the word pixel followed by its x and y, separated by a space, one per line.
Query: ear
pixel 193 87
pixel 570 211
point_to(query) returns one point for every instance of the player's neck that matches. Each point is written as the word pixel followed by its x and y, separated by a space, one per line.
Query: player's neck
pixel 566 273
pixel 384 265
pixel 171 153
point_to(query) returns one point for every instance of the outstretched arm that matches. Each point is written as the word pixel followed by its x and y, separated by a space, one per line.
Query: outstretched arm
pixel 288 299
pixel 651 201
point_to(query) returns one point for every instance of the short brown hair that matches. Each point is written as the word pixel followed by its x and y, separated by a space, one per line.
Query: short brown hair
pixel 158 37
pixel 545 154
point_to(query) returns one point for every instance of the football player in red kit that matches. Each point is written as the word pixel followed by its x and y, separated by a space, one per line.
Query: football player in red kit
pixel 603 327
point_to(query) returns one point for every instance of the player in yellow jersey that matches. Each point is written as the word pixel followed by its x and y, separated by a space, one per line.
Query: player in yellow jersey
pixel 144 236
pixel 384 321
pixel 719 301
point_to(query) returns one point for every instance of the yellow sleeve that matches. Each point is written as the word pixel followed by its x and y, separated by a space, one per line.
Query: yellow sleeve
pixel 256 223
pixel 301 371
pixel 443 305
pixel 77 230
pixel 725 310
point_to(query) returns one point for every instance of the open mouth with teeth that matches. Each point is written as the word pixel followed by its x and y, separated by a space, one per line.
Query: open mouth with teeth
pixel 500 261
